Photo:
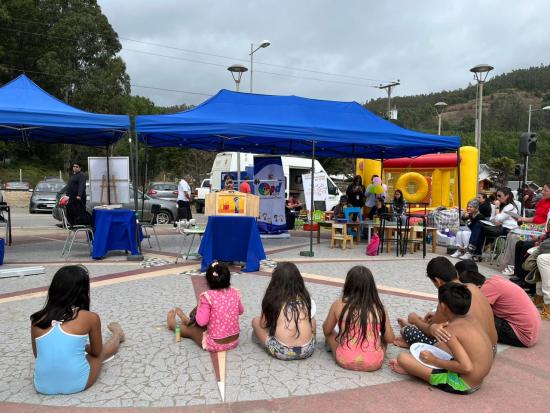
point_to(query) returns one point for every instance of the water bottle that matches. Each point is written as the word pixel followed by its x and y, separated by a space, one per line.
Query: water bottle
pixel 178 333
pixel 429 238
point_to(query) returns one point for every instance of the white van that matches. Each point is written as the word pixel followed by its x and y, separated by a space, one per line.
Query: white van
pixel 294 167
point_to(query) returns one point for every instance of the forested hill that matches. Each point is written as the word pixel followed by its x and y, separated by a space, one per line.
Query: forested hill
pixel 506 100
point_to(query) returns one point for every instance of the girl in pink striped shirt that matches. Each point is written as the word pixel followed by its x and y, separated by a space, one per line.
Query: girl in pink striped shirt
pixel 215 326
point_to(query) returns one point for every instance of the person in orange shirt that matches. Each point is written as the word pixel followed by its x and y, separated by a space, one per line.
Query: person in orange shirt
pixel 245 186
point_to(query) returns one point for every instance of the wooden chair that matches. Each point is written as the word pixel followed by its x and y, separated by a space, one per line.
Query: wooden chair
pixel 340 234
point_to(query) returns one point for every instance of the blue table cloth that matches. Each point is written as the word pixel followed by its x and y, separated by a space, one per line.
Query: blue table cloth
pixel 114 229
pixel 229 238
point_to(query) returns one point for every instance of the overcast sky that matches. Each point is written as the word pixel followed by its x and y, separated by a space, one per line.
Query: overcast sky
pixel 428 45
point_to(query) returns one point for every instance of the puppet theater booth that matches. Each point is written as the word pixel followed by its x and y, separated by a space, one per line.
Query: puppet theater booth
pixel 288 125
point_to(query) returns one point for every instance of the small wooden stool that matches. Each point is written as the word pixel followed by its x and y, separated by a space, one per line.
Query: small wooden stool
pixel 340 234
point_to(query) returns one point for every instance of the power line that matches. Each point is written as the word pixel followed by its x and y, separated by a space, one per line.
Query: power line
pixel 199 61
pixel 172 90
pixel 256 71
pixel 230 57
pixel 131 84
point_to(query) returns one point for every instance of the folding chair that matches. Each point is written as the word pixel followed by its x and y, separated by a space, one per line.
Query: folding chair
pixel 72 231
pixel 155 209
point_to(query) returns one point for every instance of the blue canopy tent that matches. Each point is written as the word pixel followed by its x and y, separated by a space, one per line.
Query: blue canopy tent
pixel 28 113
pixel 284 125
pixel 281 125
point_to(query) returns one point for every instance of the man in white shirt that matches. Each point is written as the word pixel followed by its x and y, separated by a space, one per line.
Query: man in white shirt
pixel 184 198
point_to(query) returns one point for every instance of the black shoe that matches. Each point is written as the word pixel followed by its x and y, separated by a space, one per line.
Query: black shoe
pixel 516 280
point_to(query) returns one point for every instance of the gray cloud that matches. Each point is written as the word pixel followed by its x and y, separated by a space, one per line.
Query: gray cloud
pixel 428 45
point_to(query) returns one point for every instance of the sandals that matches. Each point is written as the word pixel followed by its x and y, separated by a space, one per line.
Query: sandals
pixel 508 271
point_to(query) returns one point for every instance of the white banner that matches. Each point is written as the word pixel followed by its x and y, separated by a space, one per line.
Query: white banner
pixel 320 188
pixel 269 185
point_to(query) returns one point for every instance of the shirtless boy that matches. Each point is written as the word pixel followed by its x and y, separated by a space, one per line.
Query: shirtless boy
pixel 469 345
pixel 432 326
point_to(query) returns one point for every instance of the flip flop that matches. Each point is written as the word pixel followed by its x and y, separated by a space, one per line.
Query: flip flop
pixel 108 359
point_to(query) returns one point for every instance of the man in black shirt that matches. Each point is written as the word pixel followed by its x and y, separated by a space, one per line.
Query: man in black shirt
pixel 76 191
pixel 484 206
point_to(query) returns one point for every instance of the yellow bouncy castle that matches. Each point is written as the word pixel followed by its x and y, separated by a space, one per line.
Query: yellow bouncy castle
pixel 432 179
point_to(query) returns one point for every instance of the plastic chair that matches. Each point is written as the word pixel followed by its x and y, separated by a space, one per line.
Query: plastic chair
pixel 499 245
pixel 354 228
pixel 73 230
pixel 155 209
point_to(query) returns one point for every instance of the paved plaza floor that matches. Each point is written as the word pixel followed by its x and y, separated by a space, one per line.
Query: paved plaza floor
pixel 152 371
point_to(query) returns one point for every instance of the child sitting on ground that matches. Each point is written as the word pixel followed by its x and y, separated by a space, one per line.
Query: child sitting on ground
pixel 468 344
pixel 65 363
pixel 215 326
pixel 285 327
pixel 363 326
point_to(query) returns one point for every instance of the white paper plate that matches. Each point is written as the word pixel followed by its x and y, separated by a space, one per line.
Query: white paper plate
pixel 416 348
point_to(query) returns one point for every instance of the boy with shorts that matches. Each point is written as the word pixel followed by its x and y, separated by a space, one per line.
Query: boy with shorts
pixel 469 345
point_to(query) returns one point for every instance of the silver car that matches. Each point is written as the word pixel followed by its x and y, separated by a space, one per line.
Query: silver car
pixel 163 190
pixel 168 209
pixel 43 198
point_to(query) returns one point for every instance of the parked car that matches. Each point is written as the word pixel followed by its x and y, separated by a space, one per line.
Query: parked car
pixel 163 190
pixel 17 185
pixel 44 196
pixel 200 195
pixel 168 209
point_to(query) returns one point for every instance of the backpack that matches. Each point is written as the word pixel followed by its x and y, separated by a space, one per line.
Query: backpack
pixel 372 247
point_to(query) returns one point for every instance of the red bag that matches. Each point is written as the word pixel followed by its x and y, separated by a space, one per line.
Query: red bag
pixel 372 248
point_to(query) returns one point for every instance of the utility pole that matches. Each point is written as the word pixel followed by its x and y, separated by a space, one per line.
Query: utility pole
pixel 389 88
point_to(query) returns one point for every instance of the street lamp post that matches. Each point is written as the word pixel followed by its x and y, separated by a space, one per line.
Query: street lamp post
pixel 439 108
pixel 529 131
pixel 237 73
pixel 480 74
pixel 262 45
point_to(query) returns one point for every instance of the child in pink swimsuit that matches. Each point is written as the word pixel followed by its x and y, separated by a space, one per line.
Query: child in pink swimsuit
pixel 215 326
pixel 362 325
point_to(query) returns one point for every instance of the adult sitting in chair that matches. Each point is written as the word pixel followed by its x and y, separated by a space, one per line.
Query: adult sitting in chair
pixel 502 223
pixel 339 209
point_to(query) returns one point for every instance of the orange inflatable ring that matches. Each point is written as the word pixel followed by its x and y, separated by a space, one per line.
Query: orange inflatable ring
pixel 413 178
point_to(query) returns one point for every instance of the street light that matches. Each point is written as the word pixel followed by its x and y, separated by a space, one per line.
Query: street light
pixel 439 108
pixel 237 72
pixel 262 45
pixel 480 74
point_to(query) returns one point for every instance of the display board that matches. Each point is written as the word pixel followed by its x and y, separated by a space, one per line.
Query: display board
pixel 320 188
pixel 269 184
pixel 119 169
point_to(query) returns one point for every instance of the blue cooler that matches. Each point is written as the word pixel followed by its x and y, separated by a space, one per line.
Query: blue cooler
pixel 1 251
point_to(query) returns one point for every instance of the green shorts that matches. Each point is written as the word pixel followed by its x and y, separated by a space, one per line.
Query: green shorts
pixel 450 382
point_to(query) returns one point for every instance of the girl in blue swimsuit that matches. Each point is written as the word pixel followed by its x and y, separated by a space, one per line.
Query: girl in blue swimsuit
pixel 65 362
